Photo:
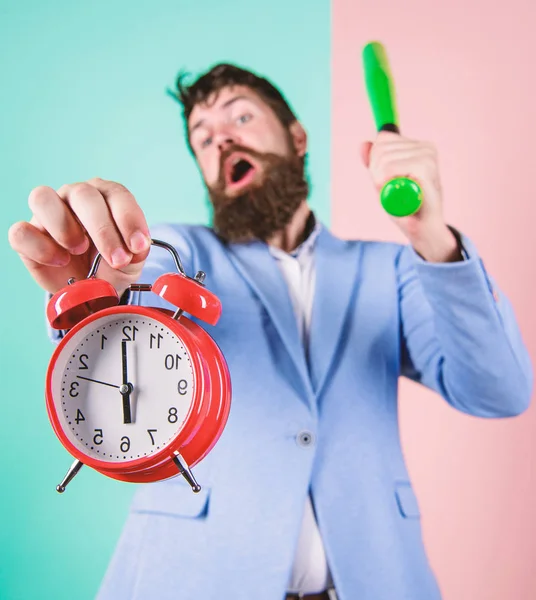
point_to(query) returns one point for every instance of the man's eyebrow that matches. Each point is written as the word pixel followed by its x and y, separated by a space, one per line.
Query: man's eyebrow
pixel 224 105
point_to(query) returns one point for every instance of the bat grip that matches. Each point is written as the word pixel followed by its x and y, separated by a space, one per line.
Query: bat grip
pixel 400 196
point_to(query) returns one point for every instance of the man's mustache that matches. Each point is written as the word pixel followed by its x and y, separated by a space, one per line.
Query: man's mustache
pixel 254 155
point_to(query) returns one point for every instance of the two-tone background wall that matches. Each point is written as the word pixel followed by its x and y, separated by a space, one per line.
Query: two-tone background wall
pixel 82 94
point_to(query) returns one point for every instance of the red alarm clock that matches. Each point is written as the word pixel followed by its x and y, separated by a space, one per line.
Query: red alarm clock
pixel 138 393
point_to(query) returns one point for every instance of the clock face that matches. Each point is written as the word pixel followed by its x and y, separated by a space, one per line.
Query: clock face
pixel 123 386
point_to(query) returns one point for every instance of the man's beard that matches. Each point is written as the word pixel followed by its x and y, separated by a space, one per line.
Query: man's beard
pixel 265 206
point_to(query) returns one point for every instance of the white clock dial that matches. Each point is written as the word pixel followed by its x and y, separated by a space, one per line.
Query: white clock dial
pixel 123 386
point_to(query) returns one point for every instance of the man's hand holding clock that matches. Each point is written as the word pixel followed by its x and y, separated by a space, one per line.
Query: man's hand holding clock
pixel 69 226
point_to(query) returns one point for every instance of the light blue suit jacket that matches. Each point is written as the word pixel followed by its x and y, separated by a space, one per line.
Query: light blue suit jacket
pixel 379 312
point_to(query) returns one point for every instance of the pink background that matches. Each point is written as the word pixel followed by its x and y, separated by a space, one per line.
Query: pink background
pixel 465 80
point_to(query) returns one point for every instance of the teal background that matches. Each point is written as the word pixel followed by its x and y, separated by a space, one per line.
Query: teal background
pixel 82 94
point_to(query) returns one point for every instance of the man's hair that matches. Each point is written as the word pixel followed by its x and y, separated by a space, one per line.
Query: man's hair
pixel 226 75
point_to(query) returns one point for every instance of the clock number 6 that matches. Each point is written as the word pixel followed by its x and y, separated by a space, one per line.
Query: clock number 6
pixel 125 444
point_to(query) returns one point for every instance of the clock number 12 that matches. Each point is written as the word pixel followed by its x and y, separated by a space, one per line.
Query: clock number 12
pixel 126 332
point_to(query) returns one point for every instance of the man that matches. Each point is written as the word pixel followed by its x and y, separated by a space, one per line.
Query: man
pixel 307 488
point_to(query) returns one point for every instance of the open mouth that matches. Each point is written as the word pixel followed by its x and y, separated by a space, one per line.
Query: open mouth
pixel 239 171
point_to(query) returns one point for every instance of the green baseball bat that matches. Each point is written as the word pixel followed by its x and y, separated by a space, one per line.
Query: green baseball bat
pixel 400 196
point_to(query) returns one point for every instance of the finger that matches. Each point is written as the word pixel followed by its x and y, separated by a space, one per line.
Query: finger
pixel 127 215
pixel 390 137
pixel 92 211
pixel 404 144
pixel 51 214
pixel 403 168
pixel 36 247
pixel 401 144
pixel 380 158
pixel 366 148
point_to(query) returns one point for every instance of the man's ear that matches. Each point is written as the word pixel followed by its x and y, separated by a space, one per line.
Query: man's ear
pixel 299 138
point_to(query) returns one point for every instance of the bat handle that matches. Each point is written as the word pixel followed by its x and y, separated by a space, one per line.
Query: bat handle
pixel 400 196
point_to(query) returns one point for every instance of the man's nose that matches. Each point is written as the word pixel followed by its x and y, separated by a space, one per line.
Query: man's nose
pixel 224 139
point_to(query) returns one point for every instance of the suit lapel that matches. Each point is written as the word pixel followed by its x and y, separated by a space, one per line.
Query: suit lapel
pixel 257 266
pixel 336 263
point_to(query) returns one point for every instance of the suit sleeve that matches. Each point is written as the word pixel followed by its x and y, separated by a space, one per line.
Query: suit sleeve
pixel 459 335
pixel 158 262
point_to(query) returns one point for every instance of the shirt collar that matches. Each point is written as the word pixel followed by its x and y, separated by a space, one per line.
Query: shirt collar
pixel 307 245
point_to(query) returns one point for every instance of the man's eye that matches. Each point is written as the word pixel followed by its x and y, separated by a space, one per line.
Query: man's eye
pixel 244 118
pixel 206 142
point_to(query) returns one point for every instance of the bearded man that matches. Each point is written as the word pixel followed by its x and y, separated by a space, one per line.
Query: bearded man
pixel 306 494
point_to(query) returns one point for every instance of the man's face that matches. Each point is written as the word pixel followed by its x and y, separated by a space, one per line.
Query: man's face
pixel 252 165
pixel 238 116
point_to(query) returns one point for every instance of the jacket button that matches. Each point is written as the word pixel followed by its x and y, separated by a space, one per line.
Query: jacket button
pixel 305 438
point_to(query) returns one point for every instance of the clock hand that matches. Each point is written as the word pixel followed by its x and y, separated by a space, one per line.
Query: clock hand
pixel 126 388
pixel 97 381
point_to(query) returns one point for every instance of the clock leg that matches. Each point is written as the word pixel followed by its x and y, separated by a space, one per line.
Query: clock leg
pixel 75 467
pixel 185 471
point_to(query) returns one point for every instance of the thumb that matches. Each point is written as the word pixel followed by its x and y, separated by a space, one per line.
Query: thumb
pixel 366 147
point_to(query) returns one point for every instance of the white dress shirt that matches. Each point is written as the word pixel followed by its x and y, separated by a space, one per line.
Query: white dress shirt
pixel 310 572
